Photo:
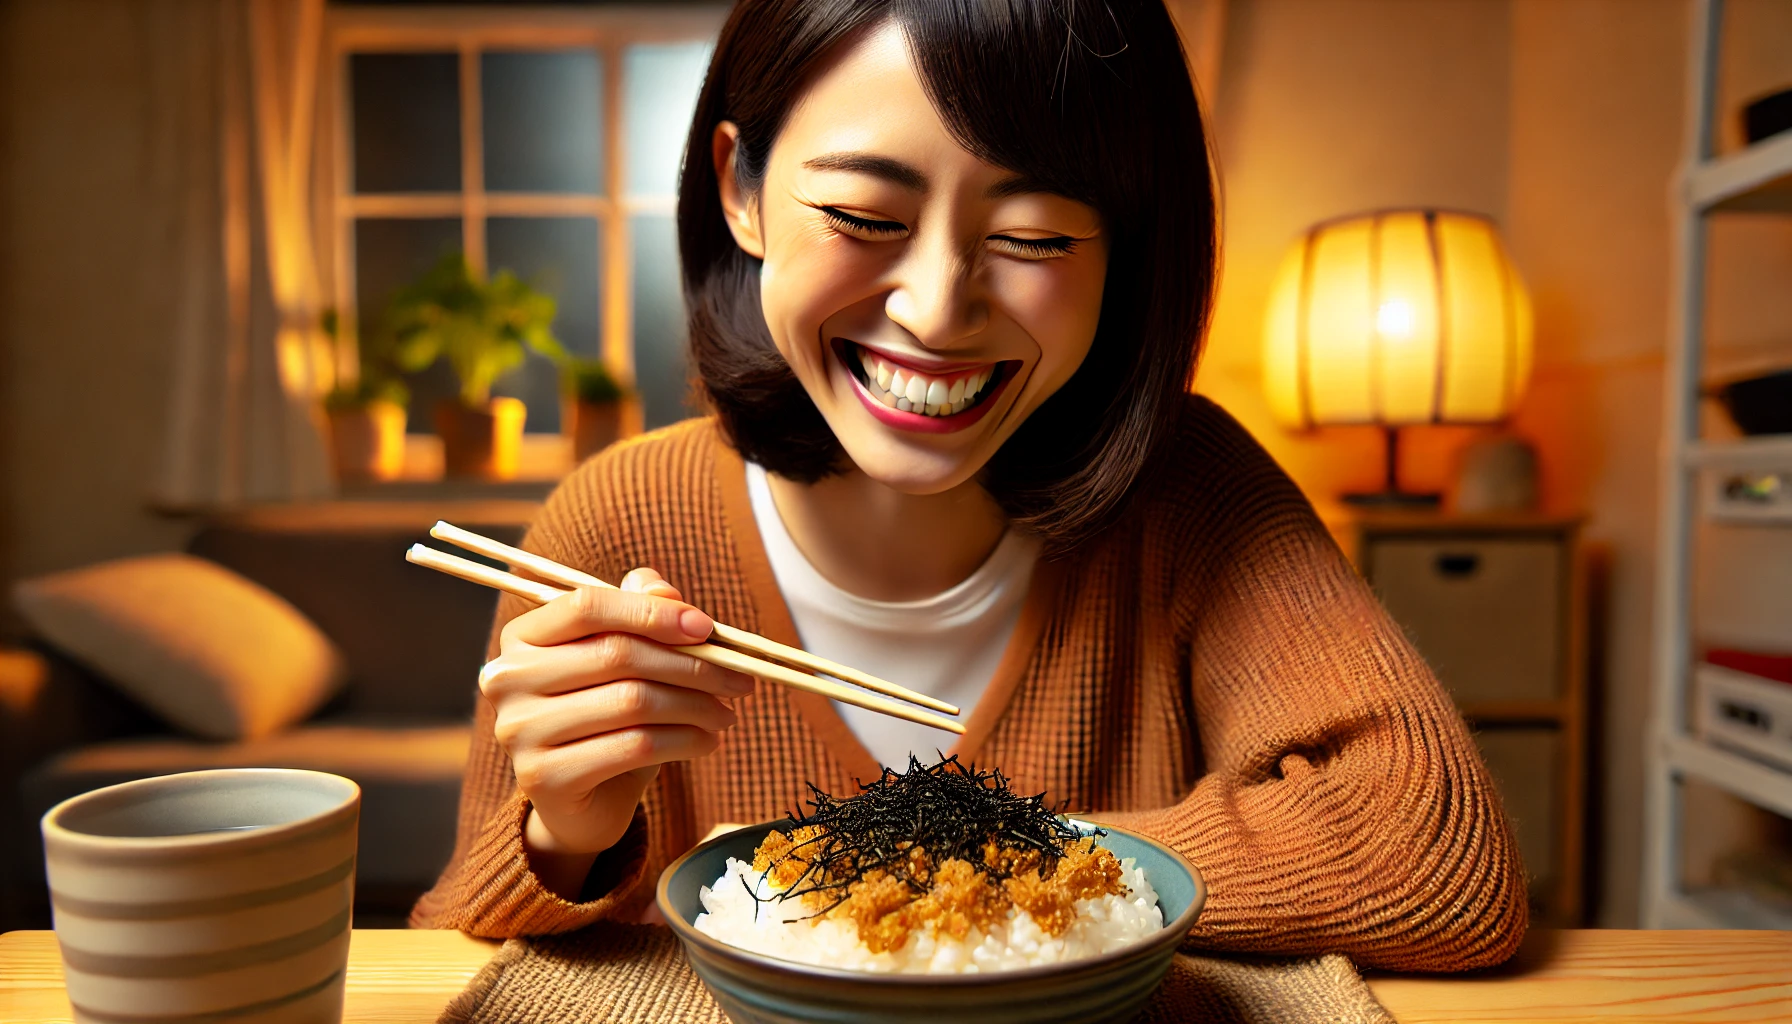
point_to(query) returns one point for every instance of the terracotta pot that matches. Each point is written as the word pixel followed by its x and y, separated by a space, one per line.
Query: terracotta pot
pixel 594 426
pixel 484 443
pixel 368 443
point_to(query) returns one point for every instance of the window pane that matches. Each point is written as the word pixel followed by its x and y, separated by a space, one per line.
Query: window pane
pixel 543 118
pixel 661 367
pixel 660 86
pixel 406 121
pixel 561 256
pixel 390 254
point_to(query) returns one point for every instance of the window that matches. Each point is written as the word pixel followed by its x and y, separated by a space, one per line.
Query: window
pixel 546 142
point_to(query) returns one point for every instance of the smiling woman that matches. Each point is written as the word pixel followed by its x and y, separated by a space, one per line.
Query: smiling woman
pixel 976 238
pixel 948 266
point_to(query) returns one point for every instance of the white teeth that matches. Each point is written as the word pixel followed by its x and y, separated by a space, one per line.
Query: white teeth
pixel 911 392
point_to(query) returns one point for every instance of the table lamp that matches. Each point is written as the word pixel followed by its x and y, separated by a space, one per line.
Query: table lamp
pixel 1397 318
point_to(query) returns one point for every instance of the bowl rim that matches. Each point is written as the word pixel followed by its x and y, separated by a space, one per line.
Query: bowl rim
pixel 1171 934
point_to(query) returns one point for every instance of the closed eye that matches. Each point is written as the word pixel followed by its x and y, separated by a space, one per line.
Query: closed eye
pixel 864 227
pixel 1033 248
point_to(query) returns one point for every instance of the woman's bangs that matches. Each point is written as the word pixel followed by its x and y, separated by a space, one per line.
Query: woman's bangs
pixel 1044 89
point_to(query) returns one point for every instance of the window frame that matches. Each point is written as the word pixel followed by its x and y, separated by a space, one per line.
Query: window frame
pixel 609 30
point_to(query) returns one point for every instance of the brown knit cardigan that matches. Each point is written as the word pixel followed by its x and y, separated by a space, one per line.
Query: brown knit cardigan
pixel 1210 672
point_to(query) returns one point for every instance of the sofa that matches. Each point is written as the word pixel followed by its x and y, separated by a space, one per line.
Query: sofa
pixel 411 644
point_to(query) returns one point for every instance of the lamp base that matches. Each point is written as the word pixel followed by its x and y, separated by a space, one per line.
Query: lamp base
pixel 1391 496
pixel 1393 499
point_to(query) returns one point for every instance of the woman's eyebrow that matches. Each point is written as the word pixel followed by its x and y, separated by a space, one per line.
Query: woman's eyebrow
pixel 1019 185
pixel 884 167
pixel 906 175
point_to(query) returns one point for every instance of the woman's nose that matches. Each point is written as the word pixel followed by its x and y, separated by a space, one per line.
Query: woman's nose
pixel 937 299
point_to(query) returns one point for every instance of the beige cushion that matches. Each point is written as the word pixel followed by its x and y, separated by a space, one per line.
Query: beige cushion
pixel 211 652
pixel 355 750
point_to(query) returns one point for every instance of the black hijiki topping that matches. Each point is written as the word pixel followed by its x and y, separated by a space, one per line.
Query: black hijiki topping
pixel 947 809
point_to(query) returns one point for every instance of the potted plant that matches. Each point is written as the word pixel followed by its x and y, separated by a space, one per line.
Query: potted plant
pixel 485 329
pixel 366 417
pixel 599 409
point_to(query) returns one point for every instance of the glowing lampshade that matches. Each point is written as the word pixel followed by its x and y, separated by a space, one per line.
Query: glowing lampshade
pixel 1397 318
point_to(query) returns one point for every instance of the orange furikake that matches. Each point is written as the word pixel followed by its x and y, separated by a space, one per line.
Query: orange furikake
pixel 944 848
pixel 963 896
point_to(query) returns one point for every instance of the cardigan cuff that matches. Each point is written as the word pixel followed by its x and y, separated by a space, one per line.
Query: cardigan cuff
pixel 511 901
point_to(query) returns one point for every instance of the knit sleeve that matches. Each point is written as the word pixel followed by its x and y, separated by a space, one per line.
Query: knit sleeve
pixel 488 889
pixel 1344 807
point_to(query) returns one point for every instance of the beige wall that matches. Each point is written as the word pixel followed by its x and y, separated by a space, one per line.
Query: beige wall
pixel 1596 134
pixel 85 309
pixel 1328 107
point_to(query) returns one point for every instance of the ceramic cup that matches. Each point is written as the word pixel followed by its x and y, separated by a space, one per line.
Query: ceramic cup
pixel 222 895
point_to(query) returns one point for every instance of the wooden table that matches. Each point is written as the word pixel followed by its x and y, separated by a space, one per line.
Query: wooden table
pixel 1559 976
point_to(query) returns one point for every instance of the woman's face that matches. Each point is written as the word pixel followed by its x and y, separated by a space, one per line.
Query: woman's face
pixel 927 300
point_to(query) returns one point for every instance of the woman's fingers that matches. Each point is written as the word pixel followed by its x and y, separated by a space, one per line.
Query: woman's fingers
pixel 602 659
pixel 588 611
pixel 647 581
pixel 590 702
pixel 612 707
pixel 591 762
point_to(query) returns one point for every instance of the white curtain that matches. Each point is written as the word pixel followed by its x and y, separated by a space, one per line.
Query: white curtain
pixel 232 98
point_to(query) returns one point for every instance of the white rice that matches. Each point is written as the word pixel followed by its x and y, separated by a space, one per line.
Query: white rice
pixel 1102 925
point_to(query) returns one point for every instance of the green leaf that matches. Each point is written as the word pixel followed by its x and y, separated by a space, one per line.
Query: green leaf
pixel 483 328
pixel 590 380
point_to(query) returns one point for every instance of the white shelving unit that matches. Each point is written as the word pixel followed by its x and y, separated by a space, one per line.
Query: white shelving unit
pixel 1756 180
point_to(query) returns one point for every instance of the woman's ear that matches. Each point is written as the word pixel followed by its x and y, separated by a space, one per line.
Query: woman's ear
pixel 741 211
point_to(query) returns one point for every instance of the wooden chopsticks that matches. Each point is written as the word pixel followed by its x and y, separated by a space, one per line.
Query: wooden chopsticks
pixel 713 652
pixel 548 569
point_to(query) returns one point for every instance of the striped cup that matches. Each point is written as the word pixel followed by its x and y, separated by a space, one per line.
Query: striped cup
pixel 223 895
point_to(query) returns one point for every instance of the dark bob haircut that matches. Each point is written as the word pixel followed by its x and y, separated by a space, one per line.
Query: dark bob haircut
pixel 1092 98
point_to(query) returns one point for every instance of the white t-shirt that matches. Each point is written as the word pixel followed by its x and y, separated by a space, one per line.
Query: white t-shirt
pixel 946 646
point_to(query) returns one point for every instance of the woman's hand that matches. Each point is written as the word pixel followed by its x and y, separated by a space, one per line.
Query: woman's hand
pixel 590 703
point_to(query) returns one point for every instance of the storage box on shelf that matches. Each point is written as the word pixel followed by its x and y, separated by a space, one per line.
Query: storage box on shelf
pixel 1723 482
pixel 1747 481
pixel 1745 714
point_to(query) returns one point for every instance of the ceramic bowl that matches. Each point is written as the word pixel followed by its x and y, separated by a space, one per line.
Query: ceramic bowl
pixel 758 989
pixel 212 895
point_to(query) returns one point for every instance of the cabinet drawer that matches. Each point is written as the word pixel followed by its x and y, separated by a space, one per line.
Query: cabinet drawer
pixel 1526 764
pixel 1486 613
